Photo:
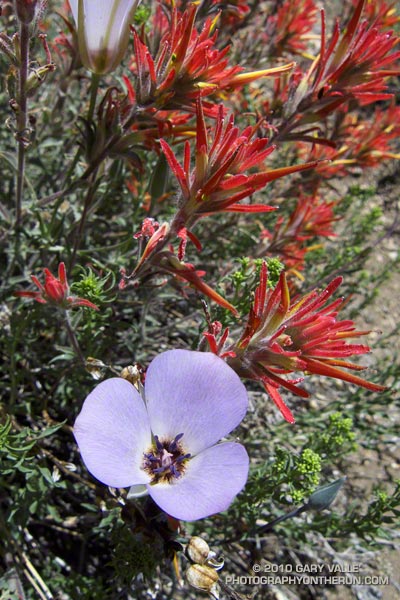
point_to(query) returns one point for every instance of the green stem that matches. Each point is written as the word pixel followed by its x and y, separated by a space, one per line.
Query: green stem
pixel 73 340
pixel 93 166
pixel 82 223
pixel 17 331
pixel 22 120
pixel 94 86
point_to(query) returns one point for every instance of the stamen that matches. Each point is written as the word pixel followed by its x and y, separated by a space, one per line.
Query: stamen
pixel 161 469
pixel 174 444
pixel 181 458
pixel 151 458
pixel 165 461
pixel 159 445
pixel 174 472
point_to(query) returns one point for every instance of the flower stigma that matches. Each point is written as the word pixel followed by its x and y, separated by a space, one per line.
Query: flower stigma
pixel 165 461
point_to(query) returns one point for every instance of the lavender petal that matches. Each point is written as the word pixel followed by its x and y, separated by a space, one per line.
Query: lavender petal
pixel 194 393
pixel 209 484
pixel 113 432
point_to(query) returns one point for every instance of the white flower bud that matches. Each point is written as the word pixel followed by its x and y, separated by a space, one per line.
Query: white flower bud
pixel 25 10
pixel 103 31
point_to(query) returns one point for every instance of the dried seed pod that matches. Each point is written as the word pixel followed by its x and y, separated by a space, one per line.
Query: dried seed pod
pixel 202 577
pixel 198 550
pixel 131 373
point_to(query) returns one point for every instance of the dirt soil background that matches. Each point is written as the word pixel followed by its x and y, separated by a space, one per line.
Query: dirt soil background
pixel 367 467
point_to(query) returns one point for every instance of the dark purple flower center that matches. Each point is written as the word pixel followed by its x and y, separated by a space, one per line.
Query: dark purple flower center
pixel 165 461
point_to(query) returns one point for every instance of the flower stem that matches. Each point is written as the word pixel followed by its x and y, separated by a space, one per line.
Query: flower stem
pixel 73 340
pixel 22 120
pixel 82 223
pixel 93 166
pixel 94 86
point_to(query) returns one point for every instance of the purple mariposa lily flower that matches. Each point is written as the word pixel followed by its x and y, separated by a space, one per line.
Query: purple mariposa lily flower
pixel 167 444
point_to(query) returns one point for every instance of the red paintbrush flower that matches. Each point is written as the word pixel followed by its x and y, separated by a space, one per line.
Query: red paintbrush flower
pixel 151 124
pixel 356 66
pixel 383 13
pixel 148 228
pixel 283 337
pixel 291 24
pixel 156 259
pixel 232 14
pixel 168 263
pixel 351 67
pixel 218 180
pixel 360 143
pixel 55 291
pixel 187 66
pixel 217 345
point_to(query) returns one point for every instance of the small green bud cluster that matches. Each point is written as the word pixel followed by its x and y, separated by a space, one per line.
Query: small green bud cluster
pixel 93 287
pixel 337 438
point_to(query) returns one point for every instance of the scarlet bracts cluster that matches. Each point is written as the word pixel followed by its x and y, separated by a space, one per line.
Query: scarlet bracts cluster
pixel 291 26
pixel 382 14
pixel 55 291
pixel 159 257
pixel 218 180
pixel 284 337
pixel 217 183
pixel 232 14
pixel 360 142
pixel 187 65
pixel 353 67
